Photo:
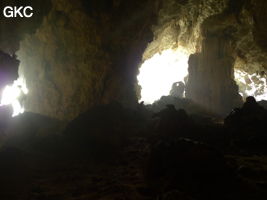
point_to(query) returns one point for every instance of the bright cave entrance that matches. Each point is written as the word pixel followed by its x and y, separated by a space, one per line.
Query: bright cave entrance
pixel 13 89
pixel 13 96
pixel 161 73
pixel 251 84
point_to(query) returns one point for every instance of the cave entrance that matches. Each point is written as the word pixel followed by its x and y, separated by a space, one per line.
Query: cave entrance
pixel 14 95
pixel 251 84
pixel 13 87
pixel 158 73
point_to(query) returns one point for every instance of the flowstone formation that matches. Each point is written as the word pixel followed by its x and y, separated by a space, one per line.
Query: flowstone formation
pixel 223 38
pixel 211 72
pixel 180 27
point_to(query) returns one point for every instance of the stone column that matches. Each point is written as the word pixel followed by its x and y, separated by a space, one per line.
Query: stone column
pixel 211 80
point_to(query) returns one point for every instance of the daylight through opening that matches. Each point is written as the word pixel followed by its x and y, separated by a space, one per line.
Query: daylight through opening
pixel 159 73
pixel 251 84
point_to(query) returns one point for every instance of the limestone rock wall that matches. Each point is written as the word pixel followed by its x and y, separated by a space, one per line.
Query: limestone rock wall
pixel 76 54
pixel 201 27
pixel 179 23
pixel 85 53
pixel 232 40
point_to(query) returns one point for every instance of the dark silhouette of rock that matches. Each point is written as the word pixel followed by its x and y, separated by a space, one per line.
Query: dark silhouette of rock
pixel 251 114
pixel 14 174
pixel 5 117
pixel 172 122
pixel 8 69
pixel 103 129
pixel 175 194
pixel 179 103
pixel 263 103
pixel 251 106
pixel 178 89
pixel 187 165
pixel 247 125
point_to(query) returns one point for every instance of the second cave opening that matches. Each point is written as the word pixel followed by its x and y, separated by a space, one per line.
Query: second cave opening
pixel 14 95
pixel 158 73
pixel 162 70
pixel 254 84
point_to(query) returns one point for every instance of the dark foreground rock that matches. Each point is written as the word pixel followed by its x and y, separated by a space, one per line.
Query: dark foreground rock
pixel 247 126
pixel 104 129
pixel 187 165
pixel 110 152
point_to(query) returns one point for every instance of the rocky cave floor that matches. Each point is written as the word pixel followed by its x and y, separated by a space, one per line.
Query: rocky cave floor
pixel 111 152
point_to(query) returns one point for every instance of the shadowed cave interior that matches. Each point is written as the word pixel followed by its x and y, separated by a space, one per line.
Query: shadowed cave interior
pixel 136 99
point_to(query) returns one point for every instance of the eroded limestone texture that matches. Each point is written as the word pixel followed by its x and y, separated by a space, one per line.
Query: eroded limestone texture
pixel 85 53
pixel 211 72
pixel 223 36
pixel 77 54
